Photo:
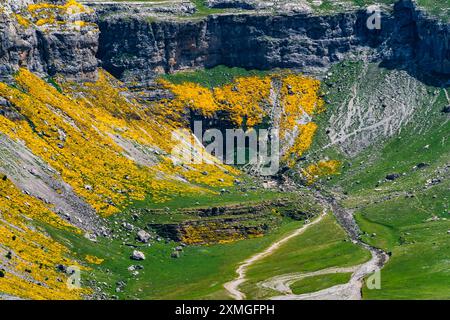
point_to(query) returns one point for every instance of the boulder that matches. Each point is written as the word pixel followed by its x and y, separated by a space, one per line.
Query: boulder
pixel 143 236
pixel 392 176
pixel 422 165
pixel 138 255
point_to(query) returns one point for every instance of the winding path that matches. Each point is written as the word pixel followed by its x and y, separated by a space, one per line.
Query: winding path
pixel 233 286
pixel 348 291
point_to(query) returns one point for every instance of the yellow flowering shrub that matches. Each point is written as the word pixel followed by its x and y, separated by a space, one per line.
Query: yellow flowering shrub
pixel 24 22
pixel 50 15
pixel 93 259
pixel 248 100
pixel 299 98
pixel 302 143
pixel 78 132
pixel 244 99
pixel 30 266
pixel 193 96
pixel 320 169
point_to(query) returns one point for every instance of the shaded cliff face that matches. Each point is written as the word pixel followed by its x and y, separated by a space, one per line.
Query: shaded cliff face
pixel 136 48
pixel 49 48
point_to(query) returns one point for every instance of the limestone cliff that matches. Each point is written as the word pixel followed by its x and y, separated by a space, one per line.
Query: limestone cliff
pixel 138 43
pixel 135 47
pixel 48 38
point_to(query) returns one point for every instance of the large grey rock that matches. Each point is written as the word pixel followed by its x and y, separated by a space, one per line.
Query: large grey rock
pixel 143 236
pixel 138 255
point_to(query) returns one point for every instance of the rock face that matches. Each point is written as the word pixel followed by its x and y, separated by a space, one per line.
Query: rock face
pixel 138 42
pixel 49 52
pixel 137 48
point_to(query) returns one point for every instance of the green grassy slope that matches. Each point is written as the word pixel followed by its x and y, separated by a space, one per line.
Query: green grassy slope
pixel 199 273
pixel 415 231
pixel 408 216
pixel 316 283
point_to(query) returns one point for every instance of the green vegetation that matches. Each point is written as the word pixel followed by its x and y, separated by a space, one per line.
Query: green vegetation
pixel 322 246
pixel 439 8
pixel 415 231
pixel 214 77
pixel 203 9
pixel 312 284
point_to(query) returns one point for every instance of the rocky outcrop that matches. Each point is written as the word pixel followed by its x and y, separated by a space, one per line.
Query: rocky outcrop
pixel 219 230
pixel 230 222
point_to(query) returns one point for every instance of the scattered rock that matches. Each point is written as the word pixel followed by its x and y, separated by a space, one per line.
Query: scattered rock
pixel 434 218
pixel 127 226
pixel 91 237
pixel 432 182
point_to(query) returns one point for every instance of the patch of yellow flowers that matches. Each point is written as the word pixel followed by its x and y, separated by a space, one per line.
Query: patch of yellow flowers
pixel 79 138
pixel 31 257
pixel 322 168
pixel 46 15
pixel 247 101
